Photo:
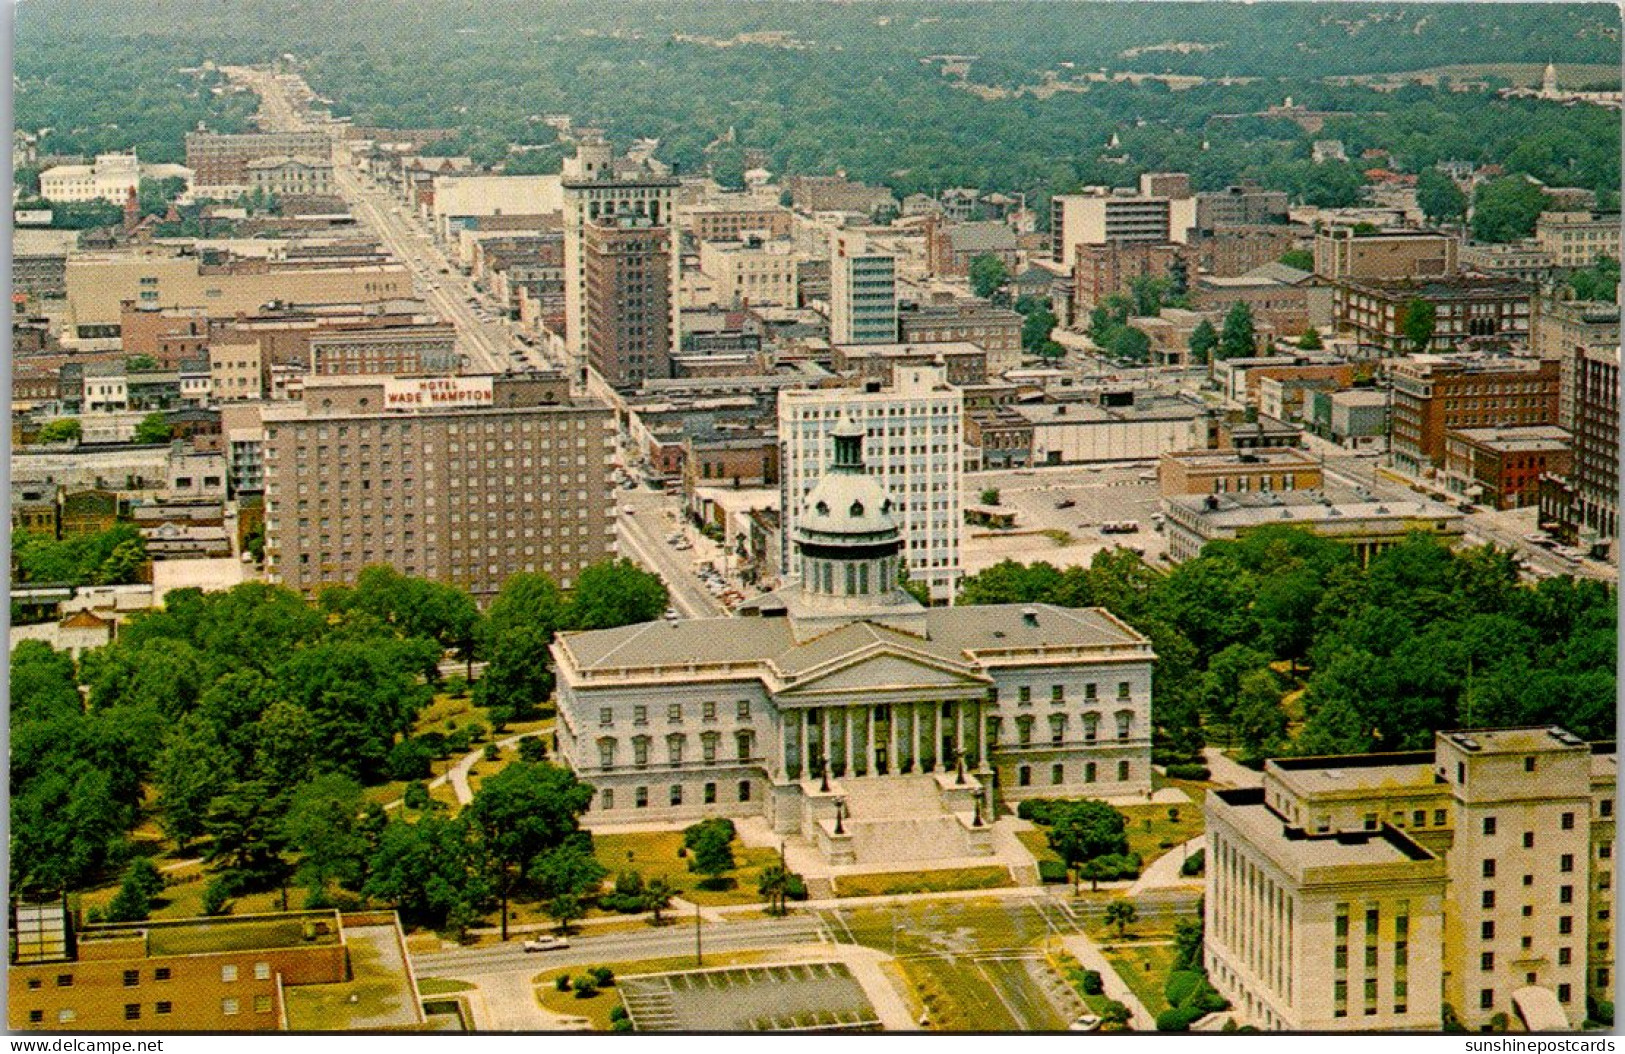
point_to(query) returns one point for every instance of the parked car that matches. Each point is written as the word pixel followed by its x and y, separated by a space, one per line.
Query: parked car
pixel 1086 1023
pixel 1065 503
pixel 1121 527
pixel 546 943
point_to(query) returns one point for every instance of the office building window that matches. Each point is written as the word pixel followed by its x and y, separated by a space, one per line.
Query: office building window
pixel 640 797
pixel 132 978
pixel 1057 773
pixel 744 790
pixel 1565 863
pixel 228 972
pixel 1568 821
pixel 1489 898
pixel 1024 776
pixel 1438 817
pixel 677 794
pixel 1565 925
pixel 1486 930
pixel 228 1006
pixel 1565 894
pixel 710 794
pixel 262 971
pixel 1489 868
pixel 1486 999
pixel 1122 771
pixel 606 798
pixel 132 1011
pixel 1529 839
pixel 1564 993
pixel 1489 825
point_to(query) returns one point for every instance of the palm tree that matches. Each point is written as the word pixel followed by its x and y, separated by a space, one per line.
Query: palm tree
pixel 774 884
pixel 1121 912
pixel 656 898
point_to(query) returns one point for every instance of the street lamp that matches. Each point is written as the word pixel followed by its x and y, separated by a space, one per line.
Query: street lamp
pixel 840 814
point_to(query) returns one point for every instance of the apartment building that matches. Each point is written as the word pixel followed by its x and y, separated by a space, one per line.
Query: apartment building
pixel 1433 394
pixel 915 430
pixel 1110 269
pixel 628 304
pixel 464 480
pixel 1576 239
pixel 1469 311
pixel 1241 206
pixel 1370 892
pixel 996 330
pixel 862 291
pixel 1354 252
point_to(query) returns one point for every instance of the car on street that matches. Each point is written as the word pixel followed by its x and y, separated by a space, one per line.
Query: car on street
pixel 1065 503
pixel 546 943
pixel 1085 1023
pixel 627 510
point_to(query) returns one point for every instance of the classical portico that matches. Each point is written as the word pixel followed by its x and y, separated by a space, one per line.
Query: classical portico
pixel 866 725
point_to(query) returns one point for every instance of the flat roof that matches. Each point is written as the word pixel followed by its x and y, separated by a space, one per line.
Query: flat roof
pixel 1251 510
pixel 1260 456
pixel 231 934
pixel 1292 847
pixel 1518 440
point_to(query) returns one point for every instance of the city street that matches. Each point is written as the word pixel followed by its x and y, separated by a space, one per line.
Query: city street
pixel 491 347
pixel 643 539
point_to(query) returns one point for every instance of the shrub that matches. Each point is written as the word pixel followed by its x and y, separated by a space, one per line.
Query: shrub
pixel 408 760
pixel 532 749
pixel 1601 1011
pixel 1115 867
pixel 585 987
pixel 1092 984
pixel 1188 772
pixel 416 796
pixel 217 897
pixel 436 742
pixel 562 982
pixel 1178 1019
pixel 1051 871
pixel 476 732
pixel 623 1024
pixel 602 976
pixel 457 742
pixel 1195 864
pixel 500 716
pixel 1182 984
pixel 617 1013
pixel 1038 810
pixel 795 888
pixel 696 832
pixel 492 752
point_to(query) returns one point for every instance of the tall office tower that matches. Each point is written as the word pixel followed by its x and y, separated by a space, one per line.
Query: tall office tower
pixel 915 431
pixel 862 292
pixel 1595 371
pixel 598 190
pixel 628 305
pixel 465 480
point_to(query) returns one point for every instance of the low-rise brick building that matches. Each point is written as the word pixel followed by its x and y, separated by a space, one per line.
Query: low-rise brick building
pixel 1501 467
pixel 1470 311
pixel 1434 394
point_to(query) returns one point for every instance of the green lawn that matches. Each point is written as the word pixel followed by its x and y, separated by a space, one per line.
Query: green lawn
pixel 947 880
pixel 653 854
pixel 1037 843
pixel 441 986
pixel 1144 968
pixel 1148 828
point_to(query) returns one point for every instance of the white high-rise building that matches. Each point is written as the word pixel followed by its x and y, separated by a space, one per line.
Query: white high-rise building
pixel 862 292
pixel 596 190
pixel 914 445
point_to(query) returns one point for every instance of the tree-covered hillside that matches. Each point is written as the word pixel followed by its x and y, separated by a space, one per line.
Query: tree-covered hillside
pixel 821 86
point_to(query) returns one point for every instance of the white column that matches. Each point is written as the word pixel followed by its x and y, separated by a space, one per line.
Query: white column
pixel 847 726
pixel 959 726
pixel 919 733
pixel 823 738
pixel 869 740
pixel 891 733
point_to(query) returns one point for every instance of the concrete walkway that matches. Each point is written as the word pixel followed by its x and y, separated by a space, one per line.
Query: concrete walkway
pixel 1164 872
pixel 1228 772
pixel 457 775
pixel 1090 957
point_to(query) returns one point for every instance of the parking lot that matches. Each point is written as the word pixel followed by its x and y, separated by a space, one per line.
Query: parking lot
pixel 1072 503
pixel 796 997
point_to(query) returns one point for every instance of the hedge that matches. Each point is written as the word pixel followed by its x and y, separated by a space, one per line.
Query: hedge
pixel 1051 871
pixel 1187 772
pixel 1092 984
pixel 1179 1019
pixel 1182 984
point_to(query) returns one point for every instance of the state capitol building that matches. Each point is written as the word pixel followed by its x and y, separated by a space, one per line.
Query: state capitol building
pixel 846 713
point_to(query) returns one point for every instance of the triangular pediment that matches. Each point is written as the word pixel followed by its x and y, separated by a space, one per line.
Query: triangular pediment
pixel 879 668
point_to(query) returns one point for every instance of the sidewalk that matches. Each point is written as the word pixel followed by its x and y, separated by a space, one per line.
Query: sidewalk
pixel 1164 871
pixel 1090 957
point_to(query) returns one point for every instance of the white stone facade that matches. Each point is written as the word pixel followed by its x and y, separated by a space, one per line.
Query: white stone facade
pixel 915 449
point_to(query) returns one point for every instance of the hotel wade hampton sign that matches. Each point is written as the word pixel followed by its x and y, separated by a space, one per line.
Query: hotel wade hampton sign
pixel 434 393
